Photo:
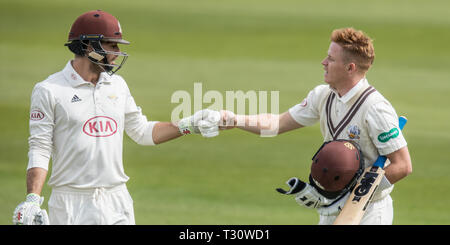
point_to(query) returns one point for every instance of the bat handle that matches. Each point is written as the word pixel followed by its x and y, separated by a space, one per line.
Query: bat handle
pixel 401 122
pixel 382 159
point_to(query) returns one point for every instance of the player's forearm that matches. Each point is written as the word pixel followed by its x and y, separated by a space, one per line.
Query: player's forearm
pixel 269 124
pixel 394 174
pixel 258 123
pixel 35 180
pixel 242 122
pixel 400 166
pixel 165 131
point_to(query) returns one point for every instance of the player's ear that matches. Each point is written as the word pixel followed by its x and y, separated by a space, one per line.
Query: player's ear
pixel 89 47
pixel 351 67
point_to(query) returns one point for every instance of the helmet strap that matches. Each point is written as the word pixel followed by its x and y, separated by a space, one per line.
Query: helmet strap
pixel 77 47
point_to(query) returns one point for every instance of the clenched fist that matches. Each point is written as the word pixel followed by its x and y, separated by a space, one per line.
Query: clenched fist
pixel 227 119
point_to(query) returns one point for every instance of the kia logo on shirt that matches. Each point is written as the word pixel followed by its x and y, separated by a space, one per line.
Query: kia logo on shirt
pixel 36 115
pixel 100 126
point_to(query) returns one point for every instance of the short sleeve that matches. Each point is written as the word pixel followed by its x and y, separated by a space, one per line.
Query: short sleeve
pixel 307 112
pixel 384 128
pixel 136 124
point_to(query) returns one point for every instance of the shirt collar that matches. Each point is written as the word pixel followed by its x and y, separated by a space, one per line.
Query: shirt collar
pixel 104 78
pixel 76 80
pixel 352 92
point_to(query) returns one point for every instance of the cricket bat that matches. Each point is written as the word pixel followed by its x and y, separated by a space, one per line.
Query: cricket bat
pixel 362 194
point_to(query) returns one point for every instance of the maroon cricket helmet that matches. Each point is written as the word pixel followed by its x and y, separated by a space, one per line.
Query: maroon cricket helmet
pixel 97 23
pixel 336 167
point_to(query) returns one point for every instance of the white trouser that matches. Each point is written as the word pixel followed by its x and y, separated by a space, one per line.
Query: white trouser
pixel 379 212
pixel 97 206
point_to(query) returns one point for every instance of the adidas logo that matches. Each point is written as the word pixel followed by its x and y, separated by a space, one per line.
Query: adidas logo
pixel 75 99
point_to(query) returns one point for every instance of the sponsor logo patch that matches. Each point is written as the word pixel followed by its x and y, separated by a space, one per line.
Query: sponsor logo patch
pixel 100 126
pixel 36 115
pixel 75 99
pixel 386 136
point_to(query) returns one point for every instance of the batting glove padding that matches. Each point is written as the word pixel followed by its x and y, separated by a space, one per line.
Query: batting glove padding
pixel 205 122
pixel 305 194
pixel 335 208
pixel 30 212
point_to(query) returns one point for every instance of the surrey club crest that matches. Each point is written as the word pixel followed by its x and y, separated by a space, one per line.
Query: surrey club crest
pixel 353 132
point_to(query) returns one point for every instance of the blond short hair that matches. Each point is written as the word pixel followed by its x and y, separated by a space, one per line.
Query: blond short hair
pixel 357 45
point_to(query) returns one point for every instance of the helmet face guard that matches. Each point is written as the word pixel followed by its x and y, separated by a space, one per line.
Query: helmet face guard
pixel 92 28
pixel 99 55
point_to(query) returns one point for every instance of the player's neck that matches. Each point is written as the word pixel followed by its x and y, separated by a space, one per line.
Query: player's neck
pixel 86 69
pixel 348 85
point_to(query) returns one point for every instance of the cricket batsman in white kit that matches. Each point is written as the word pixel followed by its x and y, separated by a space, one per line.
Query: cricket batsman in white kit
pixel 348 108
pixel 78 117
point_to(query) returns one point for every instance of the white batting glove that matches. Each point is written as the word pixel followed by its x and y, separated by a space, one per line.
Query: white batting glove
pixel 30 212
pixel 205 122
pixel 335 208
pixel 305 194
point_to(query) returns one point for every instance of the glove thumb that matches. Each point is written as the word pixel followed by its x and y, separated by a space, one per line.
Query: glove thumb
pixel 295 184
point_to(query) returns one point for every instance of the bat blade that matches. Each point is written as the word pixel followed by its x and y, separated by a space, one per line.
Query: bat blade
pixel 362 194
pixel 357 203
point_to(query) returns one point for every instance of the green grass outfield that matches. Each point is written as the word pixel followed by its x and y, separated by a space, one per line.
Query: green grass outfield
pixel 259 45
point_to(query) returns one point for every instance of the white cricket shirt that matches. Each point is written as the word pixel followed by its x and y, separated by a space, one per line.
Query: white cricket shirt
pixel 362 115
pixel 80 126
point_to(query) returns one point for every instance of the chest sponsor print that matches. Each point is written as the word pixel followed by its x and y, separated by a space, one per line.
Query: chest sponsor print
pixel 100 126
